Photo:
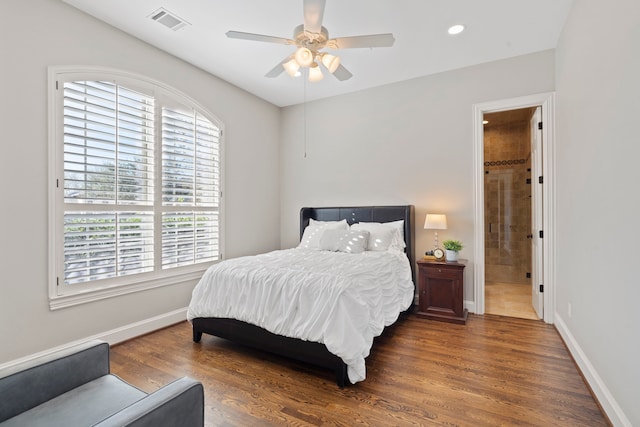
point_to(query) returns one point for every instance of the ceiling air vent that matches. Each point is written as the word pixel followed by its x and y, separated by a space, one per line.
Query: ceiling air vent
pixel 168 19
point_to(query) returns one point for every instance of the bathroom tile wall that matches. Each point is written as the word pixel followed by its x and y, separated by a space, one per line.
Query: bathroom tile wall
pixel 507 203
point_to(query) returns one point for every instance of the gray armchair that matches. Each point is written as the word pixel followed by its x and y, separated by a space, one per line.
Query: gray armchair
pixel 74 387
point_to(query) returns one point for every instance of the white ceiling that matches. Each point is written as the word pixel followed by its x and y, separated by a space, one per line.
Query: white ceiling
pixel 495 29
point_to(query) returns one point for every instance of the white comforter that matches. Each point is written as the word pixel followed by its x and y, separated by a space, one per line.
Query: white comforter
pixel 339 299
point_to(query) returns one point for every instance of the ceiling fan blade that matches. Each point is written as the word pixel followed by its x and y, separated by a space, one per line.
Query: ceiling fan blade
pixel 313 12
pixel 278 69
pixel 373 40
pixel 342 73
pixel 258 37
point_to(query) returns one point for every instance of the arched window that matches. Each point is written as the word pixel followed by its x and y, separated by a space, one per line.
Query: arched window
pixel 135 185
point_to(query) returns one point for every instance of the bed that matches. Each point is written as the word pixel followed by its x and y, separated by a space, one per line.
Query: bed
pixel 226 323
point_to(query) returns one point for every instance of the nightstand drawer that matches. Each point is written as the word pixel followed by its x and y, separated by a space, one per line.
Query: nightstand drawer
pixel 443 272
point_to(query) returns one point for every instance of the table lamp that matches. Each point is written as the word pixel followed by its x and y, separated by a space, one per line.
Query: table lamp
pixel 435 222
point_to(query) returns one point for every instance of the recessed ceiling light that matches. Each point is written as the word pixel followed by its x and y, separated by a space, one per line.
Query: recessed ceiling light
pixel 456 29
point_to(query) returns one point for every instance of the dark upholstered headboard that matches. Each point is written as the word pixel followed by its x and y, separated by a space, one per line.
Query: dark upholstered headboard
pixel 367 214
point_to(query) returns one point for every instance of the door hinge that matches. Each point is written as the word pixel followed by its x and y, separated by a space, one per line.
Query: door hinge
pixel 540 125
pixel 528 275
pixel 528 180
pixel 541 288
pixel 57 281
pixel 541 234
pixel 540 180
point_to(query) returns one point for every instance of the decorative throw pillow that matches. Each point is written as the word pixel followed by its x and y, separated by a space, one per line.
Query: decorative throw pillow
pixel 313 232
pixel 383 236
pixel 349 241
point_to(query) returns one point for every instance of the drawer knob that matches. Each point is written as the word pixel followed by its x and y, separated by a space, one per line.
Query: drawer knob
pixel 439 270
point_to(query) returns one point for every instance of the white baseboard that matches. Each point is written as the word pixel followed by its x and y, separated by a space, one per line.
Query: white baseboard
pixel 604 396
pixel 142 327
pixel 470 305
pixel 114 336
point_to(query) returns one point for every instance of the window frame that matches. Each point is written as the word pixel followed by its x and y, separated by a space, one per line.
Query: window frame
pixel 165 96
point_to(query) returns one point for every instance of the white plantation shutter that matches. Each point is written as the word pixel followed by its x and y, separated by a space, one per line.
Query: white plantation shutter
pixel 100 245
pixel 190 179
pixel 189 237
pixel 139 189
pixel 108 161
pixel 108 144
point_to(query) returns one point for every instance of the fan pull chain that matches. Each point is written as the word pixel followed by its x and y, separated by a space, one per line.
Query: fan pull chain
pixel 304 114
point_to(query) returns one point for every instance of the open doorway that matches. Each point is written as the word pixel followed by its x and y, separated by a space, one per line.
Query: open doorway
pixel 509 212
pixel 543 278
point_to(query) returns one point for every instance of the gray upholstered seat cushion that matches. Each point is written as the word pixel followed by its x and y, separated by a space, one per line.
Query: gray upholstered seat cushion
pixel 82 406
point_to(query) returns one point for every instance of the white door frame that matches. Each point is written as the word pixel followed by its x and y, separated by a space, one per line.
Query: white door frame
pixel 537 249
pixel 547 102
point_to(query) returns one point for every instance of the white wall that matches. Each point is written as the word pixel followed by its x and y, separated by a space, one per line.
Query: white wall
pixel 404 143
pixel 598 207
pixel 40 33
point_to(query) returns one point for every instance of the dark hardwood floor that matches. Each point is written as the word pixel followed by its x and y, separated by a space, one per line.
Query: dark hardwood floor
pixel 492 371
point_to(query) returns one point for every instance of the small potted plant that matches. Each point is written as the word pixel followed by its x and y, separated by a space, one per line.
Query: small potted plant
pixel 452 248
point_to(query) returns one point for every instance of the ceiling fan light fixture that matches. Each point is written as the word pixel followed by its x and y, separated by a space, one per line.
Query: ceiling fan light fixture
pixel 315 74
pixel 292 67
pixel 332 62
pixel 304 57
pixel 308 41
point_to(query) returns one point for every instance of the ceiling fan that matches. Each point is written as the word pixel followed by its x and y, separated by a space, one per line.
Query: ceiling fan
pixel 310 38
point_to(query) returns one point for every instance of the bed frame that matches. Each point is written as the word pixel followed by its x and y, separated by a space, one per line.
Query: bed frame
pixel 306 351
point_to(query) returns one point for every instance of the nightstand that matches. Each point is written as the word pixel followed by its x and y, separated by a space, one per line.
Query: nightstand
pixel 441 291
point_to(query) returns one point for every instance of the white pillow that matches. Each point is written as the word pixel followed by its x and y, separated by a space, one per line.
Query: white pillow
pixel 313 232
pixel 383 236
pixel 399 239
pixel 350 241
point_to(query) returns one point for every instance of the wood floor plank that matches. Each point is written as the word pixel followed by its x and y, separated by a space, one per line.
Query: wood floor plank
pixel 492 371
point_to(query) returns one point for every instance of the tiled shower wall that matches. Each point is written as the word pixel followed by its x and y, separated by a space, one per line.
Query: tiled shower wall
pixel 507 203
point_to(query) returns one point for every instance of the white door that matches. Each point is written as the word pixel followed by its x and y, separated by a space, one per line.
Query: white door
pixel 537 265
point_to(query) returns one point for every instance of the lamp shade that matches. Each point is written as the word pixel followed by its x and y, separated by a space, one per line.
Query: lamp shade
pixel 315 74
pixel 292 67
pixel 304 57
pixel 435 222
pixel 331 62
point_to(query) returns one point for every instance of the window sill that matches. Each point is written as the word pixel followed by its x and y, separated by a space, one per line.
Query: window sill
pixel 57 302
